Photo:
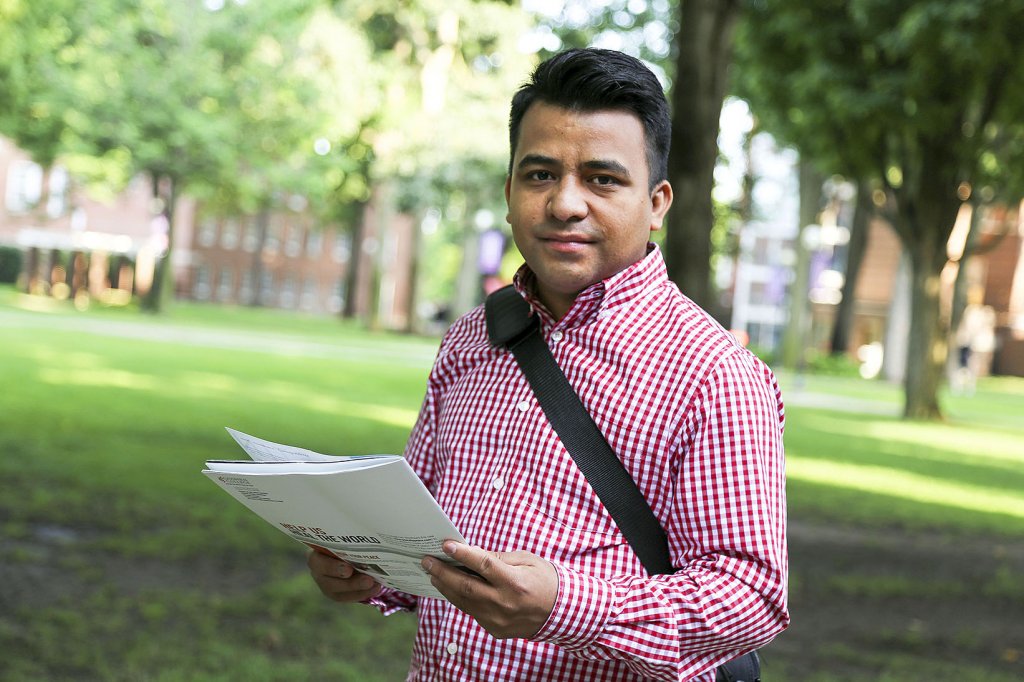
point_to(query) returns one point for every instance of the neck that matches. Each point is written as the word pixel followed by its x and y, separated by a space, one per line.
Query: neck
pixel 557 304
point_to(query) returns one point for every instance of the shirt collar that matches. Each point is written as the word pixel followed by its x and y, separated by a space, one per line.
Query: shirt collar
pixel 622 288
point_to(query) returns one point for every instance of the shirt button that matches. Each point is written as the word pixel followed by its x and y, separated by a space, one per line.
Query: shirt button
pixel 453 648
pixel 498 483
pixel 556 336
pixel 524 406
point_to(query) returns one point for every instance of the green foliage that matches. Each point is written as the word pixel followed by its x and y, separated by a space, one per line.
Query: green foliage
pixel 922 96
pixel 645 30
pixel 10 264
pixel 832 364
pixel 36 41
pixel 863 87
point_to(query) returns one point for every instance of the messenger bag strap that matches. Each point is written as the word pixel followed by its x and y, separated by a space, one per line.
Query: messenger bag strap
pixel 511 325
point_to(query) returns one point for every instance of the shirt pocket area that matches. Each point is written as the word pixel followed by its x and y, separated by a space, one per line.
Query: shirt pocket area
pixel 568 517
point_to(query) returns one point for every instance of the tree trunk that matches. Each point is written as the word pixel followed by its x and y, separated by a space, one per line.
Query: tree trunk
pixel 927 347
pixel 31 270
pixel 162 290
pixel 411 320
pixel 262 229
pixel 704 44
pixel 958 303
pixel 860 225
pixel 794 338
pixel 350 305
pixel 927 210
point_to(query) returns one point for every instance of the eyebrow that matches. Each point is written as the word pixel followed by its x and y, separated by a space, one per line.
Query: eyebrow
pixel 608 165
pixel 596 164
pixel 536 160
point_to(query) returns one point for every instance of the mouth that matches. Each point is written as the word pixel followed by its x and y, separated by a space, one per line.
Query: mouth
pixel 566 243
pixel 567 239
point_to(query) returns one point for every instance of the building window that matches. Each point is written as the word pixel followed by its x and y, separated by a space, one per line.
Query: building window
pixel 229 234
pixel 337 298
pixel 273 241
pixel 225 284
pixel 308 299
pixel 314 243
pixel 201 285
pixel 252 238
pixel 24 185
pixel 266 286
pixel 293 241
pixel 207 235
pixel 288 292
pixel 342 248
pixel 757 293
pixel 245 287
pixel 57 202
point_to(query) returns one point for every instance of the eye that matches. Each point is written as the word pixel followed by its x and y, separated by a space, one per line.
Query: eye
pixel 604 180
pixel 541 175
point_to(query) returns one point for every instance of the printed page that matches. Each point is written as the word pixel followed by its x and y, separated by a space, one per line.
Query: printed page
pixel 380 517
pixel 250 468
pixel 265 451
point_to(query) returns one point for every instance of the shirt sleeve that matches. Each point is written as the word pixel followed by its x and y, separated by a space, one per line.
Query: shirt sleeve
pixel 727 535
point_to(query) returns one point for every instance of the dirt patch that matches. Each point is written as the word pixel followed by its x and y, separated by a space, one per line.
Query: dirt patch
pixel 53 564
pixel 859 598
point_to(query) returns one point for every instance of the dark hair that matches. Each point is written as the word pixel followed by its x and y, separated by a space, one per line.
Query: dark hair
pixel 596 80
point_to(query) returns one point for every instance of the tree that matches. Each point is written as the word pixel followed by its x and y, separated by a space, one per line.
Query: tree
pixel 196 88
pixel 36 40
pixel 913 93
pixel 118 88
pixel 703 54
pixel 860 223
pixel 288 107
pixel 444 67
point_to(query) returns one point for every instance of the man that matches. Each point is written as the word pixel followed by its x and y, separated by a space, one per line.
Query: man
pixel 695 418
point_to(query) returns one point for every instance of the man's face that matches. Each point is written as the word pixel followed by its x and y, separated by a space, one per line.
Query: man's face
pixel 578 198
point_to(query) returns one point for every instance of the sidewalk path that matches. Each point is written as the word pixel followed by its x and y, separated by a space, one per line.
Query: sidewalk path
pixel 839 403
pixel 379 350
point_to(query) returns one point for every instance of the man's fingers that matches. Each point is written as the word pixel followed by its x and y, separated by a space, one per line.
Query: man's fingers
pixel 514 595
pixel 488 565
pixel 328 565
pixel 338 580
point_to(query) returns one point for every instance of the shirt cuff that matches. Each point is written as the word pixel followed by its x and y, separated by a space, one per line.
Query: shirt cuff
pixel 582 609
pixel 392 601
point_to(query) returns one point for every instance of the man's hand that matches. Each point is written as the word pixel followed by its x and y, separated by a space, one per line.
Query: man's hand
pixel 338 580
pixel 513 595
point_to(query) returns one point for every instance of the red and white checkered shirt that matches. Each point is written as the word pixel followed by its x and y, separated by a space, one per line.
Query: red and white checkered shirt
pixel 696 419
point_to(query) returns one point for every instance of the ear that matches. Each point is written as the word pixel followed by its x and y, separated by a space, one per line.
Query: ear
pixel 508 193
pixel 661 200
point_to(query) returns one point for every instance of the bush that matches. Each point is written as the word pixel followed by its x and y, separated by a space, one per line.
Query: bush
pixel 838 365
pixel 11 260
pixel 767 356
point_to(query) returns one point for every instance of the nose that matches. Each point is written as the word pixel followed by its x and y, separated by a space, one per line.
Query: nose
pixel 568 201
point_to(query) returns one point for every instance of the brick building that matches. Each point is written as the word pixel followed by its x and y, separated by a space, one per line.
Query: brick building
pixel 76 244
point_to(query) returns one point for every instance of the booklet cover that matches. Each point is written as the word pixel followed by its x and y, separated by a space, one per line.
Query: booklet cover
pixel 371 510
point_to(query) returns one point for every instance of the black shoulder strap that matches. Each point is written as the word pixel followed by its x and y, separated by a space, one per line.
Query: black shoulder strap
pixel 510 325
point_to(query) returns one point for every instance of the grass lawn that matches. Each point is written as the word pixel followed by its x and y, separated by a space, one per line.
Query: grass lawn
pixel 874 468
pixel 119 561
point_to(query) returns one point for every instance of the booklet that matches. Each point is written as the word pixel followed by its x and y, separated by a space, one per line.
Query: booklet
pixel 371 510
